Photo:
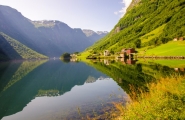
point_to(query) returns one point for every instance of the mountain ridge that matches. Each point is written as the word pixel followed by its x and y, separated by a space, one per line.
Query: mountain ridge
pixel 52 38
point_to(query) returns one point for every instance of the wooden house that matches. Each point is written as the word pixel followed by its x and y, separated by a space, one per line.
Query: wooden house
pixel 130 51
pixel 181 39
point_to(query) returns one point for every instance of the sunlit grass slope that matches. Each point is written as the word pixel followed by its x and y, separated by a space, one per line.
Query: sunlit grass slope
pixel 173 48
pixel 153 34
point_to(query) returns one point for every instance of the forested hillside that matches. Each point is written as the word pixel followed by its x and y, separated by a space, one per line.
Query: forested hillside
pixel 12 49
pixel 146 23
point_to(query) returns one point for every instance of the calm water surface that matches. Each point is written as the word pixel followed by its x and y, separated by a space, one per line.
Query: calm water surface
pixel 55 90
pixel 46 90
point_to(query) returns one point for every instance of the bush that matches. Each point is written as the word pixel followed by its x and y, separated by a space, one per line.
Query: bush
pixel 65 55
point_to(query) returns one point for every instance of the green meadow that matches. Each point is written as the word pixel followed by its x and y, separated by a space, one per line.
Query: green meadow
pixel 172 48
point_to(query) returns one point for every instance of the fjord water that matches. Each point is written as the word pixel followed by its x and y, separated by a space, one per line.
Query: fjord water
pixel 33 90
pixel 46 90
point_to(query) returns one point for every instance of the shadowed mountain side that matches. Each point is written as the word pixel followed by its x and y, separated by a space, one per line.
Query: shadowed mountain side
pixel 51 76
pixel 64 37
pixel 16 50
pixel 15 25
pixel 49 37
pixel 6 50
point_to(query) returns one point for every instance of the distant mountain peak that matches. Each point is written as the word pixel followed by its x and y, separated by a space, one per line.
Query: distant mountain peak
pixel 102 32
pixel 89 32
pixel 94 36
pixel 46 23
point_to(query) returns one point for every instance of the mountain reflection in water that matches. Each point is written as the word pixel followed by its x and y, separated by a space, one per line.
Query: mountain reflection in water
pixel 43 89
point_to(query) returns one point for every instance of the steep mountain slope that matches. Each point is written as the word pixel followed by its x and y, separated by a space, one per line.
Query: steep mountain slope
pixel 15 25
pixel 94 36
pixel 6 50
pixel 158 21
pixel 12 49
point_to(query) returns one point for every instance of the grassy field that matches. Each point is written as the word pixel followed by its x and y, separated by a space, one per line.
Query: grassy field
pixel 172 48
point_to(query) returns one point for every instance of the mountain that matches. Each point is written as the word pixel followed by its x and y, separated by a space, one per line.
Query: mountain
pixel 62 36
pixel 146 24
pixel 48 37
pixel 15 25
pixel 94 36
pixel 12 49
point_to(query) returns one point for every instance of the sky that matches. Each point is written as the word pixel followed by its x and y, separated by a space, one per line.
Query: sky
pixel 97 15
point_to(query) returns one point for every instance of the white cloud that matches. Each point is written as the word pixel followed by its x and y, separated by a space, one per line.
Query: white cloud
pixel 115 13
pixel 122 12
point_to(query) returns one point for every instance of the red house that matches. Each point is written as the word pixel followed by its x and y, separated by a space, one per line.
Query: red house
pixel 130 51
pixel 181 39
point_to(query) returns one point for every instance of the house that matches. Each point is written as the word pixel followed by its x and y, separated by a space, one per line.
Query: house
pixel 130 51
pixel 125 52
pixel 106 52
pixel 181 39
pixel 175 39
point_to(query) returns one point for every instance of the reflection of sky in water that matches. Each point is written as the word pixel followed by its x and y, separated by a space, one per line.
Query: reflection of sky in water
pixel 87 97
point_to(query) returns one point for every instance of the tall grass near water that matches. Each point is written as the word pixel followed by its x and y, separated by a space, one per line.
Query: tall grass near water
pixel 165 100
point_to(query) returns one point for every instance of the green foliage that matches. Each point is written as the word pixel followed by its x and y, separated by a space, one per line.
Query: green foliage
pixel 153 22
pixel 65 55
pixel 76 53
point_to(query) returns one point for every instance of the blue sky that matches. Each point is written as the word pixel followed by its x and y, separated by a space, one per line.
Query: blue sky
pixel 97 15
